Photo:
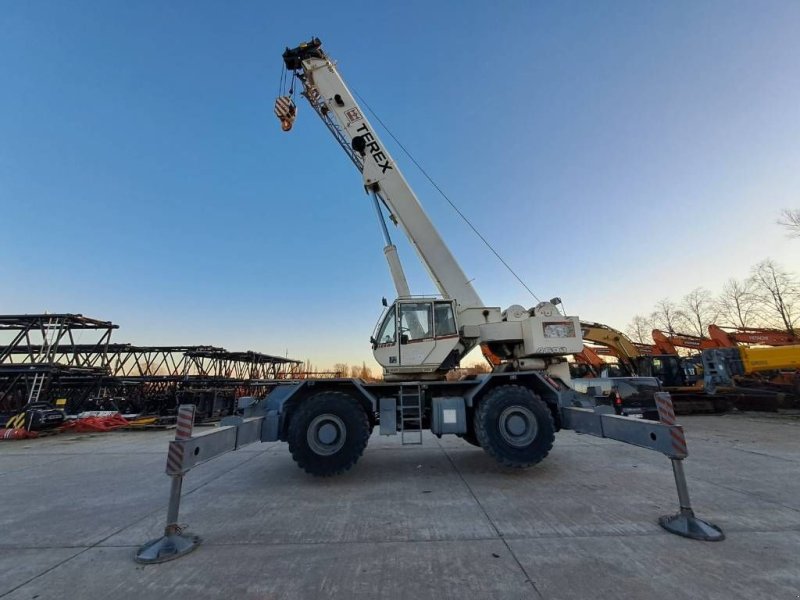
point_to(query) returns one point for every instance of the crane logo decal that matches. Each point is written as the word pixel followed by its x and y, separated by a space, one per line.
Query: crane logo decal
pixel 366 141
pixel 353 115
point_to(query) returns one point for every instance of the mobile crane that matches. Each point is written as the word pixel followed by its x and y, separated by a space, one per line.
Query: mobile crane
pixel 512 412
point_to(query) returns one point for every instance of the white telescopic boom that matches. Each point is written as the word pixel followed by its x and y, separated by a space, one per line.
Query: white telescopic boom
pixel 329 95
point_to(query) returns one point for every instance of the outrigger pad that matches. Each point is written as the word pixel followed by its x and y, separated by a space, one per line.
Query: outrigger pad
pixel 687 525
pixel 166 548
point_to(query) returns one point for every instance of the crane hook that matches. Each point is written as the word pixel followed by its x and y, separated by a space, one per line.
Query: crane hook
pixel 286 111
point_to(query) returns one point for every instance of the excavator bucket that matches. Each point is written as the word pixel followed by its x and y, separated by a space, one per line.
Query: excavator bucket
pixel 286 111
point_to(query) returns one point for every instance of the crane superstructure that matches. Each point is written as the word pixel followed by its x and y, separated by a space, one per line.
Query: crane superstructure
pixel 418 337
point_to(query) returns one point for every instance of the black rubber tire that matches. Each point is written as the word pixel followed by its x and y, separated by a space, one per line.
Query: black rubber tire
pixel 470 438
pixel 487 426
pixel 356 425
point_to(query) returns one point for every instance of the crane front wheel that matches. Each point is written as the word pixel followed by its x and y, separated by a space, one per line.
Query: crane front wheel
pixel 514 426
pixel 328 433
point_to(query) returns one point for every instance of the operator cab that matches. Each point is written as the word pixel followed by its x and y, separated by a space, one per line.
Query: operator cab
pixel 417 335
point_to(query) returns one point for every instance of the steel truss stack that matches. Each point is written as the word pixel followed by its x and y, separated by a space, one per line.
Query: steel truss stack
pixel 44 357
pixel 51 355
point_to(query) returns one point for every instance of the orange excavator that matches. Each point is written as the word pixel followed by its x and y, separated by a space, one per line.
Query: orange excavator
pixel 669 343
pixel 590 363
pixel 730 337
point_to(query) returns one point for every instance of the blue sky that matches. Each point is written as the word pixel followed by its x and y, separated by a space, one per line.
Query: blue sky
pixel 615 154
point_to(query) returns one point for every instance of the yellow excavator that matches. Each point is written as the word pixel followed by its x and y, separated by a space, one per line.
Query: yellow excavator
pixel 732 366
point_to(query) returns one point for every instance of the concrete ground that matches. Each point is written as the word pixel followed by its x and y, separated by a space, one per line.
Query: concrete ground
pixel 436 521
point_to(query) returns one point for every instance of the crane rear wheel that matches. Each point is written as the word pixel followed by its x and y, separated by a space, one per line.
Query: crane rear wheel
pixel 514 426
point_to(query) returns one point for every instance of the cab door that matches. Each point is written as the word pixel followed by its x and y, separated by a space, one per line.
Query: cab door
pixel 386 343
pixel 417 341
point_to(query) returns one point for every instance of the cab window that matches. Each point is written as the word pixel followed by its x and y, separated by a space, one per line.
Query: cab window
pixel 443 319
pixel 388 332
pixel 415 320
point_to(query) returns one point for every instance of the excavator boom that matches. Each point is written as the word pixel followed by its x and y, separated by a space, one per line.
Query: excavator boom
pixel 669 343
pixel 731 337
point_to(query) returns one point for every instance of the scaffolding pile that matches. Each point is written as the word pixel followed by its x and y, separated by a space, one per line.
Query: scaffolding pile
pixel 69 359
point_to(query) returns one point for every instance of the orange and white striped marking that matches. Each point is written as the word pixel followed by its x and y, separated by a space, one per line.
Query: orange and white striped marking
pixel 175 459
pixel 666 413
pixel 183 431
pixel 286 111
pixel 285 107
pixel 185 422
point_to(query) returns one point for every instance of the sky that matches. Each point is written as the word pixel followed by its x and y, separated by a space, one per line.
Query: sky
pixel 613 153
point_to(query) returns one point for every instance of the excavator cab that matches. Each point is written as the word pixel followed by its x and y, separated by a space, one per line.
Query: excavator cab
pixel 667 368
pixel 417 335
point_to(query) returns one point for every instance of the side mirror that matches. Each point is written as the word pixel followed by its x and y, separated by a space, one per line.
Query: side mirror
pixel 373 341
pixel 404 339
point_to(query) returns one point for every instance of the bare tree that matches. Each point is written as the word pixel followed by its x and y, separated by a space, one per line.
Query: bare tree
pixel 639 329
pixel 780 291
pixel 668 317
pixel 790 219
pixel 700 310
pixel 307 368
pixel 365 372
pixel 738 304
pixel 341 369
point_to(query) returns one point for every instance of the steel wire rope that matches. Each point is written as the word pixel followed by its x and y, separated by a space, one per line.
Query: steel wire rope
pixel 441 192
pixel 282 81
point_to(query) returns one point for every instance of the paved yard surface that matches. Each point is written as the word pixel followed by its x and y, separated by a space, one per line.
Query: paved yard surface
pixel 436 521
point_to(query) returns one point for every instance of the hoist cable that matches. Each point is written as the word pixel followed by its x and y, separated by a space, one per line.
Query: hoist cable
pixel 282 80
pixel 450 202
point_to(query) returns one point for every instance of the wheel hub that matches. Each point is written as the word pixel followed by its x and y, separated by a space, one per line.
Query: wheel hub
pixel 326 434
pixel 518 426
